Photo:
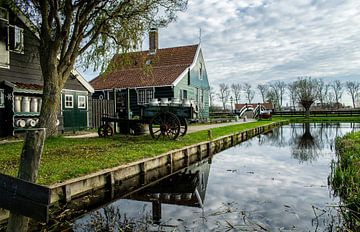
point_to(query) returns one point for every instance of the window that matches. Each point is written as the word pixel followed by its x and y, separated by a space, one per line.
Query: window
pixel 69 101
pixel 16 39
pixel 4 14
pixel 2 99
pixel 4 31
pixel 81 102
pixel 201 71
pixel 144 96
pixel 183 94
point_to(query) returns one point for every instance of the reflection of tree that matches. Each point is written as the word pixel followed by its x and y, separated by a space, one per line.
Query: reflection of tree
pixel 307 147
pixel 307 141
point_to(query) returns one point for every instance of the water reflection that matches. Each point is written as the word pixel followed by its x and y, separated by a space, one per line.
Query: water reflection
pixel 275 182
pixel 187 188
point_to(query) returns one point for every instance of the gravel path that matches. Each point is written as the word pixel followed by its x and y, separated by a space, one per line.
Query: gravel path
pixel 191 129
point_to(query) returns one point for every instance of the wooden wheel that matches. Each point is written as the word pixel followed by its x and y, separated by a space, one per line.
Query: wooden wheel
pixel 165 125
pixel 183 126
pixel 105 130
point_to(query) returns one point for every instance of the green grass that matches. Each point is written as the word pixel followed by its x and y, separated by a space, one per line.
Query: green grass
pixel 65 158
pixel 299 119
pixel 346 176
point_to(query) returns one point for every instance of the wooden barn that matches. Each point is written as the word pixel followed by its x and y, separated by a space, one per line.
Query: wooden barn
pixel 175 74
pixel 21 80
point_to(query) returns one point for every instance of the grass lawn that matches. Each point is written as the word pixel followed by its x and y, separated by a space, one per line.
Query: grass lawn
pixel 65 158
pixel 295 119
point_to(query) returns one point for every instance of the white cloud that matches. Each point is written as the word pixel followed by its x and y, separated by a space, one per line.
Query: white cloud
pixel 267 40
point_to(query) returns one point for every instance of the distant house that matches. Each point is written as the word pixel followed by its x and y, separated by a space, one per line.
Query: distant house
pixel 134 79
pixel 21 80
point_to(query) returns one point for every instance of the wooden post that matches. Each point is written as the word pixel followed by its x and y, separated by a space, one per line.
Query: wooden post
pixel 28 170
pixel 210 134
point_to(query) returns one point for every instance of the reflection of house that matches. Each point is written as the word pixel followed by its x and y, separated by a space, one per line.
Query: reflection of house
pixel 136 78
pixel 21 80
pixel 187 188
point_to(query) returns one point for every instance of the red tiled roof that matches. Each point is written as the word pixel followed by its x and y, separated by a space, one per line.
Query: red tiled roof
pixel 131 71
pixel 28 86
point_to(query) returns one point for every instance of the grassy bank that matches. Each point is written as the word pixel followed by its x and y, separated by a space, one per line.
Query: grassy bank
pixel 65 158
pixel 346 177
pixel 329 119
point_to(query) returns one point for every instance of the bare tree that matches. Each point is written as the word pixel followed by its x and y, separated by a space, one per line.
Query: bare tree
pixel 212 95
pixel 250 94
pixel 292 94
pixel 321 89
pixel 353 88
pixel 263 91
pixel 306 89
pixel 337 89
pixel 271 96
pixel 279 88
pixel 236 89
pixel 224 94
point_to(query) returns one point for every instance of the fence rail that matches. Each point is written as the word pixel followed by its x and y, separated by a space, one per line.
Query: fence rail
pixel 338 113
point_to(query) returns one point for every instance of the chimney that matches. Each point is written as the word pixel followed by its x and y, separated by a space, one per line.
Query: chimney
pixel 153 40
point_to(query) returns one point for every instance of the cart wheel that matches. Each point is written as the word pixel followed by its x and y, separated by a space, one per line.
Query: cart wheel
pixel 105 130
pixel 183 126
pixel 165 125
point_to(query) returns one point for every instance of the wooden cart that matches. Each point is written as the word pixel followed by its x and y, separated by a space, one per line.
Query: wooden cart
pixel 164 121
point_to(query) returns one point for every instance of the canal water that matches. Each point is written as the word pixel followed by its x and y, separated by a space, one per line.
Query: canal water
pixel 273 182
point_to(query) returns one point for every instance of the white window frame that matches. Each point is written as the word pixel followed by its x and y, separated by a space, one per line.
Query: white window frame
pixel 18 35
pixel 145 95
pixel 201 71
pixel 182 91
pixel 83 101
pixel 2 98
pixel 66 101
pixel 5 20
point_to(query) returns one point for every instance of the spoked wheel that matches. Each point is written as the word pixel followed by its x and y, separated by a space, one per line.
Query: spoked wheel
pixel 105 130
pixel 165 125
pixel 183 126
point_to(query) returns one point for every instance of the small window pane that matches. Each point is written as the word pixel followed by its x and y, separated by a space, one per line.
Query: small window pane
pixel 184 94
pixel 69 101
pixel 2 98
pixel 81 102
pixel 144 96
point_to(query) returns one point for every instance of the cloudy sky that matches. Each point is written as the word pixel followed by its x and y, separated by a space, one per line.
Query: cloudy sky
pixel 260 41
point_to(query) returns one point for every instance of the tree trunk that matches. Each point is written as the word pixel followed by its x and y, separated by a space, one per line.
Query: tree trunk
pixel 28 170
pixel 53 84
pixel 307 105
pixel 307 112
pixel 353 101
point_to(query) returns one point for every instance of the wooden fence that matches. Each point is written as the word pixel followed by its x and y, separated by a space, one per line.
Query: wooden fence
pixel 98 108
pixel 331 113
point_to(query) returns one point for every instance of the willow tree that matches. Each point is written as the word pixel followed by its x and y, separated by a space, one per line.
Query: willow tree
pixel 306 92
pixel 90 31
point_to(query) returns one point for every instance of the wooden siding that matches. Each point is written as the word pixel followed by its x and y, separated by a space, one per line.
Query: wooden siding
pixel 192 81
pixel 25 68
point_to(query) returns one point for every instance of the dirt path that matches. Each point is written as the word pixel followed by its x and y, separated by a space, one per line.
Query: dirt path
pixel 191 129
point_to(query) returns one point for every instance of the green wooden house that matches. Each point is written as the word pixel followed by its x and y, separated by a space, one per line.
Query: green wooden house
pixel 21 81
pixel 134 79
